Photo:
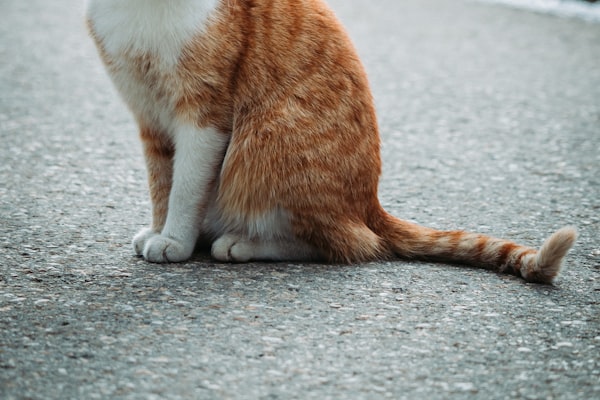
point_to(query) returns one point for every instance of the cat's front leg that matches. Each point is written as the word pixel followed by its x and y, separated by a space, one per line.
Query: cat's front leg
pixel 198 154
pixel 158 151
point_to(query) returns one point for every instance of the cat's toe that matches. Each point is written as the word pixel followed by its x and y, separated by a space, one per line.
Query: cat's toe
pixel 220 248
pixel 232 248
pixel 139 240
pixel 161 249
pixel 241 252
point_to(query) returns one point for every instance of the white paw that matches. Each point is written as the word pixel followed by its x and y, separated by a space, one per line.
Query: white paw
pixel 232 248
pixel 161 249
pixel 139 240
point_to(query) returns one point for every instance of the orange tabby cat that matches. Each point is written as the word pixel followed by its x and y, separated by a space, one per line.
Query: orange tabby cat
pixel 260 133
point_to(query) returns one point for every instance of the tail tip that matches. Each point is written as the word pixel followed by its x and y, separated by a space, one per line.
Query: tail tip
pixel 548 260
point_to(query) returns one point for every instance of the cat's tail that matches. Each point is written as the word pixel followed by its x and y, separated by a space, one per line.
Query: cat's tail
pixel 409 240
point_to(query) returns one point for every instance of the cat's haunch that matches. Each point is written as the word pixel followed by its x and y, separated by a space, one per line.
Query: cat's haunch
pixel 259 133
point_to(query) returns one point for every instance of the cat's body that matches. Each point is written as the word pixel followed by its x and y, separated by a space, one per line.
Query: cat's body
pixel 260 133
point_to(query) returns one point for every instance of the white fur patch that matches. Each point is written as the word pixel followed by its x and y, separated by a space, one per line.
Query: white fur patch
pixel 272 225
pixel 157 27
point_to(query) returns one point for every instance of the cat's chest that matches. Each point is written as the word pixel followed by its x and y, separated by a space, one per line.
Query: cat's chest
pixel 142 42
pixel 157 29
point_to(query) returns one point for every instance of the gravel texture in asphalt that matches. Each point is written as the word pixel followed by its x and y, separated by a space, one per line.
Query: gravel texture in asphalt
pixel 490 122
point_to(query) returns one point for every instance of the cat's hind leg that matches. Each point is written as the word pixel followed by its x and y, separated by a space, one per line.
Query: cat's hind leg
pixel 233 247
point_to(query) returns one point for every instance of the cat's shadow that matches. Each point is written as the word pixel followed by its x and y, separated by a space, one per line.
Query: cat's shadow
pixel 202 266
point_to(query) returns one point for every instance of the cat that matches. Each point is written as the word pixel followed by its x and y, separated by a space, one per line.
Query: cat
pixel 259 133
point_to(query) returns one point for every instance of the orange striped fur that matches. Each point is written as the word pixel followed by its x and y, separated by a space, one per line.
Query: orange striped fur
pixel 260 133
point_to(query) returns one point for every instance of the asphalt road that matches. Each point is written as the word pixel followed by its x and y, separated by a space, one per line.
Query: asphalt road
pixel 490 119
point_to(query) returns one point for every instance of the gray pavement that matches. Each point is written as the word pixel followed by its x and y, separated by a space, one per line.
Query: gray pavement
pixel 490 120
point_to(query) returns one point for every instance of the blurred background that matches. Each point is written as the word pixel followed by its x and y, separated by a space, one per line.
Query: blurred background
pixel 586 9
